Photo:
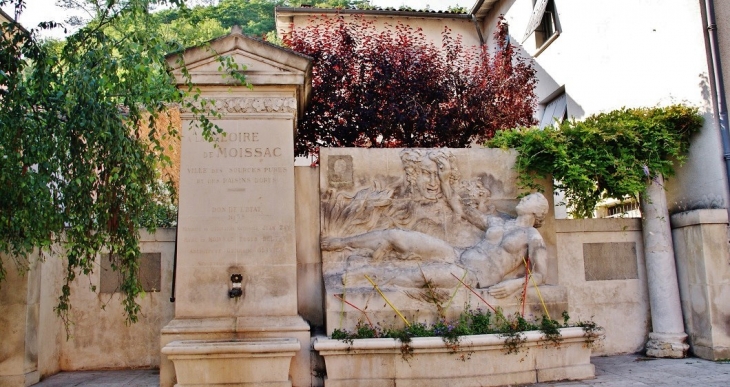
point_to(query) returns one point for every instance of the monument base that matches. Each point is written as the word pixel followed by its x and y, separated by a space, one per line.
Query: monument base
pixel 244 362
pixel 239 328
pixel 711 353
pixel 671 345
pixel 27 379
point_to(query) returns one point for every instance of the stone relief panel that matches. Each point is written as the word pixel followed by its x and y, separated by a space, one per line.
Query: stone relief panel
pixel 409 219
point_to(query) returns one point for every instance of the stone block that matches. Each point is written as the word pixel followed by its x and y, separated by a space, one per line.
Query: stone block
pixel 249 229
pixel 267 289
pixel 307 214
pixel 703 270
pixel 243 362
pixel 609 303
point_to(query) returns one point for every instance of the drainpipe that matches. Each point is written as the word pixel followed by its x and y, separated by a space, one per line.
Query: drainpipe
pixel 174 256
pixel 472 15
pixel 478 28
pixel 719 83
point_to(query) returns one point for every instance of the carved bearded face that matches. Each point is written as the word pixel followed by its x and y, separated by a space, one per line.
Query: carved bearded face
pixel 427 180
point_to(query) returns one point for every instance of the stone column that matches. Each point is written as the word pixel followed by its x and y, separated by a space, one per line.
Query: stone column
pixel 667 338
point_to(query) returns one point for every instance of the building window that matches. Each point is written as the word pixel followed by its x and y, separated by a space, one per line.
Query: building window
pixel 613 208
pixel 543 23
pixel 555 111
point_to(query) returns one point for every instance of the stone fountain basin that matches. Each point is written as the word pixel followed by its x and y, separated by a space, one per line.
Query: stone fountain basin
pixel 239 362
pixel 480 360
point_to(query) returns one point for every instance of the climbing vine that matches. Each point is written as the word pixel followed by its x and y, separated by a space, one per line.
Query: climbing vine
pixel 608 155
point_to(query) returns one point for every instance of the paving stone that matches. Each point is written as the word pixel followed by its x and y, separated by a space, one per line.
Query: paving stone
pixel 611 371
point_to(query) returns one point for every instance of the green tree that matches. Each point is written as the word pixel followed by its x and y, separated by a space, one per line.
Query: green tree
pixel 255 17
pixel 76 166
pixel 184 33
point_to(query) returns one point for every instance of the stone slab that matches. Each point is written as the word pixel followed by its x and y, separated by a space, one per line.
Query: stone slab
pixel 243 362
pixel 150 273
pixel 610 261
pixel 237 217
pixel 697 217
pixel 479 360
pixel 433 195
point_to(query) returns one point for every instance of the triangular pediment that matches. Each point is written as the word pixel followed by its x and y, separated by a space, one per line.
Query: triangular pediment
pixel 262 63
pixel 254 64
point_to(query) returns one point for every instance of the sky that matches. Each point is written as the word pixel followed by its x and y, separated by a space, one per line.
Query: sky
pixel 423 4
pixel 46 10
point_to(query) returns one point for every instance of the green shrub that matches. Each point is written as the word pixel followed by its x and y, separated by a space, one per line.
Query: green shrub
pixel 608 155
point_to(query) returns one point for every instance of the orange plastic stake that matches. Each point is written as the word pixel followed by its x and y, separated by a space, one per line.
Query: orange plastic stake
pixel 475 293
pixel 361 311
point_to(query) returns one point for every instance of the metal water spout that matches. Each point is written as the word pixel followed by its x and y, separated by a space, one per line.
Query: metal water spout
pixel 236 290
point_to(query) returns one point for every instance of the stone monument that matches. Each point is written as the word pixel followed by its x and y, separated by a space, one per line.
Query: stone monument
pixel 236 290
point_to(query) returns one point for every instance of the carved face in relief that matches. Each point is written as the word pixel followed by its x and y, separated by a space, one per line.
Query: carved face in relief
pixel 533 204
pixel 429 173
pixel 428 183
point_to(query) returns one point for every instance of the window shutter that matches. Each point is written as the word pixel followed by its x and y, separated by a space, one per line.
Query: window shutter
pixel 536 18
pixel 554 111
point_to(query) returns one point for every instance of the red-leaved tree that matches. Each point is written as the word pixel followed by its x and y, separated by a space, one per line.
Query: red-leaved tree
pixel 395 88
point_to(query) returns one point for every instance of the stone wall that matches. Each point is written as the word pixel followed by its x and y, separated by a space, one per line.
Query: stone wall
pixel 35 343
pixel 310 287
pixel 601 263
pixel 99 337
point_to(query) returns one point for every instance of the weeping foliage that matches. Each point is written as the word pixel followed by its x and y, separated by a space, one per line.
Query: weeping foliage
pixel 76 170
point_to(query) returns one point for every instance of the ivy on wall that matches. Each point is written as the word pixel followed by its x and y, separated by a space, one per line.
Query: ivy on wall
pixel 608 155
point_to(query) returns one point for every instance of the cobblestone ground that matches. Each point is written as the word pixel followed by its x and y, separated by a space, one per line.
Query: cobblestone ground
pixel 611 371
pixel 634 370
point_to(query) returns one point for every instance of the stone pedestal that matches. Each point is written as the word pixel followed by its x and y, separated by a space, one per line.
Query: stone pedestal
pixel 236 228
pixel 20 300
pixel 667 338
pixel 703 269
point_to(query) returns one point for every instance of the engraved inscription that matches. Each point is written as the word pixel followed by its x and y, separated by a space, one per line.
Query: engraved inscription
pixel 236 213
